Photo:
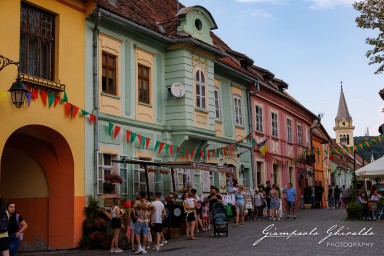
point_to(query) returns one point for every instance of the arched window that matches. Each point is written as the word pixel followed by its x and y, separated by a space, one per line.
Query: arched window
pixel 347 139
pixel 200 89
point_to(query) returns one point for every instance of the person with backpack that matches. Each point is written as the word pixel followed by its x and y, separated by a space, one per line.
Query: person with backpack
pixel 17 226
pixel 4 224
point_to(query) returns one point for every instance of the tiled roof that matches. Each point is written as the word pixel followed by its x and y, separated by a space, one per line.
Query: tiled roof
pixel 345 159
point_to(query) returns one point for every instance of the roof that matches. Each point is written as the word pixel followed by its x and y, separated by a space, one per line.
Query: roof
pixel 343 108
pixel 345 159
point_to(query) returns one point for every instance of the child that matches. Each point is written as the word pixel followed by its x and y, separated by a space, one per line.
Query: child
pixel 204 215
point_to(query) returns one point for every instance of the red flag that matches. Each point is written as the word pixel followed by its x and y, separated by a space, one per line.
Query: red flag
pixel 92 118
pixel 171 150
pixel 209 154
pixel 140 138
pixel 161 147
pixel 74 112
pixel 117 130
pixel 128 135
pixel 201 154
pixel 35 94
pixel 147 141
pixel 57 99
pixel 186 152
pixel 44 94
pixel 193 154
pixel 68 109
pixel 178 148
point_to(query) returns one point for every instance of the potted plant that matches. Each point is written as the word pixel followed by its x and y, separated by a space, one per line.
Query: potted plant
pixel 307 197
pixel 110 182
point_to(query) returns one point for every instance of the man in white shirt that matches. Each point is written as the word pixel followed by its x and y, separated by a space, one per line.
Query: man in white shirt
pixel 157 219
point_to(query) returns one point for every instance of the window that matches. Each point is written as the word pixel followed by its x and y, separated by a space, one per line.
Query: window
pixel 211 179
pixel 108 79
pixel 200 89
pixel 155 180
pixel 291 174
pixel 197 181
pixel 307 137
pixel 143 81
pixel 259 118
pixel 275 132
pixel 124 175
pixel 289 130
pixel 238 110
pixel 299 134
pixel 180 179
pixel 104 167
pixel 217 104
pixel 37 42
pixel 259 167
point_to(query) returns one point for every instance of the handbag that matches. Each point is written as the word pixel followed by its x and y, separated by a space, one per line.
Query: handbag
pixel 19 226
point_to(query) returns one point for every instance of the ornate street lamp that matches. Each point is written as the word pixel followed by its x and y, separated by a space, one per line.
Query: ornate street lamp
pixel 17 89
pixel 381 93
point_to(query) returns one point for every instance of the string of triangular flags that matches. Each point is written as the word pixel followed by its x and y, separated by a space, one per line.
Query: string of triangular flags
pixel 178 151
pixel 51 99
pixel 345 171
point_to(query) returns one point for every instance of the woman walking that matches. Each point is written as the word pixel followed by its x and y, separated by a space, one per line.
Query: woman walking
pixel 4 240
pixel 116 226
pixel 240 199
pixel 275 202
pixel 17 226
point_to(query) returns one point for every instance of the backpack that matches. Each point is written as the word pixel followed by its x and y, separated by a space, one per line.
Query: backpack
pixel 4 222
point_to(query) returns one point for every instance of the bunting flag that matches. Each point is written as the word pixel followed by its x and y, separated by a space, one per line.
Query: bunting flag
pixel 110 126
pixel 44 94
pixel 67 109
pixel 57 99
pixel 128 135
pixel 140 139
pixel 166 149
pixel 84 113
pixel 92 118
pixel 74 111
pixel 161 147
pixel 28 97
pixel 65 98
pixel 116 132
pixel 157 144
pixel 193 154
pixel 143 141
pixel 147 141
pixel 379 138
pixel 186 153
pixel 51 99
pixel 35 94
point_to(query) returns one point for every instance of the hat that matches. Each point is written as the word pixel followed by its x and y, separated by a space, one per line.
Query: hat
pixel 257 189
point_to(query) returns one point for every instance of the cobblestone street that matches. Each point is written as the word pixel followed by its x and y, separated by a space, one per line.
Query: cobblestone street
pixel 241 239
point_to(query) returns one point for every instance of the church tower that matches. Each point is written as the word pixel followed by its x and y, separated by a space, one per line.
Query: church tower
pixel 343 123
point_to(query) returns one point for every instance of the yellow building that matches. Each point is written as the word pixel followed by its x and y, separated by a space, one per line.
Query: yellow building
pixel 41 145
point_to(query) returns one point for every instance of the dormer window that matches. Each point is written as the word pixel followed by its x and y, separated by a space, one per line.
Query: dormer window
pixel 198 24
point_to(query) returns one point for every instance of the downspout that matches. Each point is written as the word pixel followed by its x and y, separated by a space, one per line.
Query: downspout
pixel 95 99
pixel 250 123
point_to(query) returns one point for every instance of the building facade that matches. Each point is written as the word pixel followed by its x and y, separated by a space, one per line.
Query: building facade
pixel 41 145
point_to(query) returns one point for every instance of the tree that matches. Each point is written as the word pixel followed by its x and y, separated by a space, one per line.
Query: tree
pixel 372 17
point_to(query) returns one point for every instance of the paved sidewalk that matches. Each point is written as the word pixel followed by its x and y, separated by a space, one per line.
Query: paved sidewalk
pixel 241 239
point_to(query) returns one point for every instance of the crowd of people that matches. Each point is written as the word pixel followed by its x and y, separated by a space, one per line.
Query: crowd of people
pixel 12 227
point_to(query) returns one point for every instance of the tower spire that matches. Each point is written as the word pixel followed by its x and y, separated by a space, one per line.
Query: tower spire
pixel 343 122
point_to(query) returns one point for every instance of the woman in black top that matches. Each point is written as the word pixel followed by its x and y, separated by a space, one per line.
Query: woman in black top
pixel 4 241
pixel 17 226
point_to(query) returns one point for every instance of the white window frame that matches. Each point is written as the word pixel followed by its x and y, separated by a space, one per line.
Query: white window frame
pixel 103 168
pixel 138 182
pixel 211 179
pixel 289 130
pixel 216 93
pixel 299 134
pixel 180 179
pixel 197 184
pixel 200 86
pixel 307 137
pixel 123 172
pixel 238 110
pixel 259 118
pixel 155 181
pixel 275 124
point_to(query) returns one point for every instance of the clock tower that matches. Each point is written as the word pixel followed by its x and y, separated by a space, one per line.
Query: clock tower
pixel 343 123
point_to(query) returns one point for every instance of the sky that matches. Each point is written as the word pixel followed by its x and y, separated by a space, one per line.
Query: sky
pixel 312 45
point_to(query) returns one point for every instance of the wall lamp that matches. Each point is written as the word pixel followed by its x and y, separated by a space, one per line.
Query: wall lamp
pixel 17 89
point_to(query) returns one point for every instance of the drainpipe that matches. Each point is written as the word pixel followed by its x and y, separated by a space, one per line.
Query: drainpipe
pixel 95 98
pixel 250 123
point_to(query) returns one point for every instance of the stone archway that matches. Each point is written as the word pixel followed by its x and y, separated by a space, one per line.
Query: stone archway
pixel 37 173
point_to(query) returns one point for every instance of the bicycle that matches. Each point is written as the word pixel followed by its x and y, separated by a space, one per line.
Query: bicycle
pixel 377 212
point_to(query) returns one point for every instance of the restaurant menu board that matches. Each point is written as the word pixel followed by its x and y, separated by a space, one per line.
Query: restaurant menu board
pixel 248 201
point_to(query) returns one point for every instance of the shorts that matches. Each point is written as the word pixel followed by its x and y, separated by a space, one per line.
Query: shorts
pixel 115 223
pixel 132 225
pixel 240 208
pixel 205 218
pixel 191 217
pixel 157 228
pixel 268 203
pixel 141 228
pixel 4 244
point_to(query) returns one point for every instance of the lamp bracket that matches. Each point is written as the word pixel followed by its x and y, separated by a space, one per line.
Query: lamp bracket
pixel 5 62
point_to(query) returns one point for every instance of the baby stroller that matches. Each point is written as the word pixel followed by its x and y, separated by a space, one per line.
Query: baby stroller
pixel 220 222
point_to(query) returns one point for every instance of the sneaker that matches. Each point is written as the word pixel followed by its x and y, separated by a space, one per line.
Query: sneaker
pixel 236 225
pixel 112 250
pixel 118 250
pixel 139 250
pixel 288 217
pixel 164 242
pixel 157 247
pixel 294 217
pixel 144 251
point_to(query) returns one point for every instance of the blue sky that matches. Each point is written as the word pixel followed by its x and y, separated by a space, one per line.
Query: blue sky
pixel 310 44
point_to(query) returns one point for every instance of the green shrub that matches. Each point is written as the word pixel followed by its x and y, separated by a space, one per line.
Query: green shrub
pixel 354 210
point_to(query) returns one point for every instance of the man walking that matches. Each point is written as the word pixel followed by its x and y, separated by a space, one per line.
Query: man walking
pixel 337 193
pixel 157 219
pixel 143 211
pixel 290 200
pixel 330 198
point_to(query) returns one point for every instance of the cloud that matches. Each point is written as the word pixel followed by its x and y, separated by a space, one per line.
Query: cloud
pixel 260 14
pixel 262 1
pixel 330 4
